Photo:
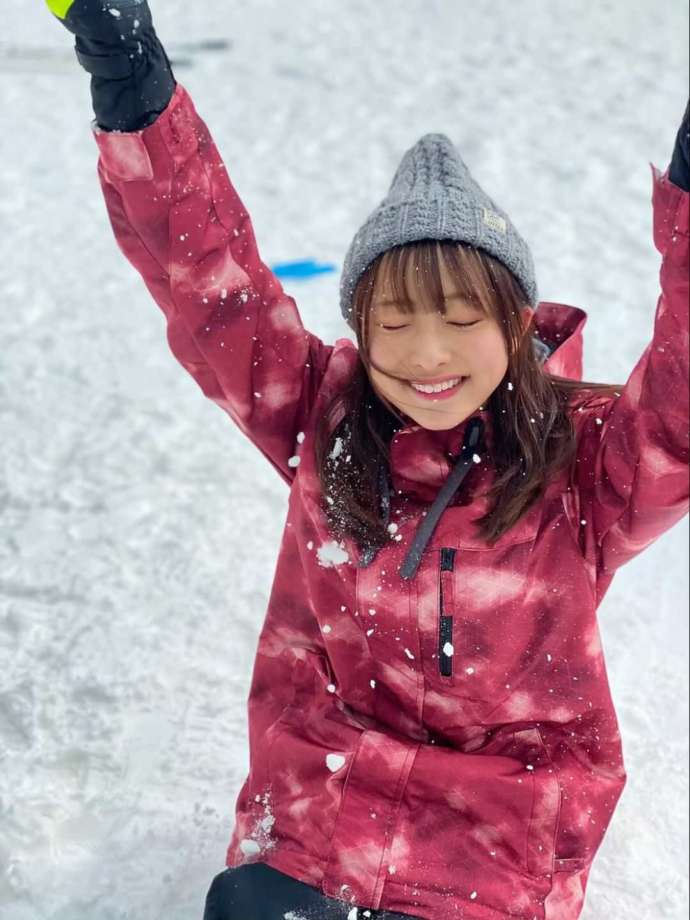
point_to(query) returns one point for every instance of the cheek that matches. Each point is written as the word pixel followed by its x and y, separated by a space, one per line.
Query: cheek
pixel 384 354
pixel 489 355
pixel 386 358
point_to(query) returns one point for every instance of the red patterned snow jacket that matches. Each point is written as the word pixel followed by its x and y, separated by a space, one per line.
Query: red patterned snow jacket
pixel 385 771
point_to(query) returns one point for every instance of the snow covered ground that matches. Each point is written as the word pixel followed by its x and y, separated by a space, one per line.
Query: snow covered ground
pixel 139 531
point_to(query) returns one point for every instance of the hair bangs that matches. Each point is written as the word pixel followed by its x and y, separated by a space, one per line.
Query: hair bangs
pixel 420 263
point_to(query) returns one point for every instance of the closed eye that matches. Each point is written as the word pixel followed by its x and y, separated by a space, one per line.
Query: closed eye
pixel 462 325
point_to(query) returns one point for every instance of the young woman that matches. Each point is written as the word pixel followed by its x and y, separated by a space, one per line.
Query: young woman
pixel 431 729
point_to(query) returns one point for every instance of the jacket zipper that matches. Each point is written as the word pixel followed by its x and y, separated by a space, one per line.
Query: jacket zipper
pixel 446 608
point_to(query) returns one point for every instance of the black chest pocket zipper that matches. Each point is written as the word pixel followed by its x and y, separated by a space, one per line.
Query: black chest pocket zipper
pixel 446 610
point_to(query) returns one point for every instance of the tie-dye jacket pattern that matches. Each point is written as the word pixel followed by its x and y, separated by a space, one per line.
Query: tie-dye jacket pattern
pixel 444 746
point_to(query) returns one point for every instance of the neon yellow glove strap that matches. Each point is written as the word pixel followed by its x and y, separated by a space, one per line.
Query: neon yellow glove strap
pixel 59 8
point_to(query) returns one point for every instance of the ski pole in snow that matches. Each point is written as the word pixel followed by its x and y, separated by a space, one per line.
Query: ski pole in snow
pixel 19 57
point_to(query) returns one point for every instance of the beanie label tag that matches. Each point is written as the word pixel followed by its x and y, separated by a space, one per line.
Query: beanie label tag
pixel 494 220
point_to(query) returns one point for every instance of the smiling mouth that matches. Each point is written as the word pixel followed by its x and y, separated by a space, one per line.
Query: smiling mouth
pixel 440 391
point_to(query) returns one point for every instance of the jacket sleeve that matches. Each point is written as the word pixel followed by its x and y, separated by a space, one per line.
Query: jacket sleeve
pixel 178 219
pixel 632 467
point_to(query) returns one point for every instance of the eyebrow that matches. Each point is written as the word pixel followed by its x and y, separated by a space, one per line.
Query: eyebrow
pixel 394 303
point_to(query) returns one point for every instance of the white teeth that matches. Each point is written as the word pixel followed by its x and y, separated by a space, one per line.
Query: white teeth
pixel 439 388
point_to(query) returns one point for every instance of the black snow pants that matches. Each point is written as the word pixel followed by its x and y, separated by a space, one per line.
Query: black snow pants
pixel 256 891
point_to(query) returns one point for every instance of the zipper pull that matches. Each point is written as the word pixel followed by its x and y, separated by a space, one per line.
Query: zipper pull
pixel 446 610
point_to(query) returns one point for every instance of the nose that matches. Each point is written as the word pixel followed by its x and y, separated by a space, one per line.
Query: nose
pixel 430 351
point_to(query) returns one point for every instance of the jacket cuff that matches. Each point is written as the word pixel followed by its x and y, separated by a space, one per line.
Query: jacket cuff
pixel 671 207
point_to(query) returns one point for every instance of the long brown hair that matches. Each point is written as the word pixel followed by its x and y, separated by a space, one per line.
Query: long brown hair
pixel 533 433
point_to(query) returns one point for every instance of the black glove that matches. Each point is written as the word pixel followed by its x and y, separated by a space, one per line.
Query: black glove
pixel 131 78
pixel 679 170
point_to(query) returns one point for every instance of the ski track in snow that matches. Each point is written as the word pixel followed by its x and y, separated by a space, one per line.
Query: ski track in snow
pixel 132 591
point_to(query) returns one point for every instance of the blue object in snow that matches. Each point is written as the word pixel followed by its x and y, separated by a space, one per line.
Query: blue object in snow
pixel 306 269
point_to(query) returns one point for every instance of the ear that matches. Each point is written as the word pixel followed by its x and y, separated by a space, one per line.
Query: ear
pixel 526 315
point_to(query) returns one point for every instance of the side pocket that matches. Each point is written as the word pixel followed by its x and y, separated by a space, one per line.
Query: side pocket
pixel 563 863
pixel 547 810
pixel 546 802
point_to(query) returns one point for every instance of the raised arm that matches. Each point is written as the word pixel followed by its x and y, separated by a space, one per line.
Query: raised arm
pixel 179 221
pixel 633 464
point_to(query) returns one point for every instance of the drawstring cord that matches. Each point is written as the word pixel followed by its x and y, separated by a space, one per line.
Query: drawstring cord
pixel 471 444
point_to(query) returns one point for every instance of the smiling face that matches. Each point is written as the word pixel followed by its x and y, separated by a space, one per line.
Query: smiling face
pixel 463 349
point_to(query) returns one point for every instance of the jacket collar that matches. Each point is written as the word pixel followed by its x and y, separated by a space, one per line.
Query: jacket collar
pixel 421 460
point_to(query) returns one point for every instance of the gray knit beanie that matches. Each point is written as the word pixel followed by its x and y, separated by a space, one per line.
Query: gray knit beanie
pixel 433 196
